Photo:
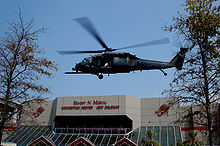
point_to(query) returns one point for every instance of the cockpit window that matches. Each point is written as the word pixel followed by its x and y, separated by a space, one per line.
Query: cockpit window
pixel 87 59
pixel 84 60
pixel 132 56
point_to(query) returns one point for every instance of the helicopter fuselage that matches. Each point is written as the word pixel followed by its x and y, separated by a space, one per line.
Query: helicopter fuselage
pixel 122 62
pixel 117 62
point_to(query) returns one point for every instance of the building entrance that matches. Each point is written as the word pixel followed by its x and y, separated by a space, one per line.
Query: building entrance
pixel 116 121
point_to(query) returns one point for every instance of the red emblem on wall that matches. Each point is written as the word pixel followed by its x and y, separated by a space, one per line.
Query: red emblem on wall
pixel 38 111
pixel 162 109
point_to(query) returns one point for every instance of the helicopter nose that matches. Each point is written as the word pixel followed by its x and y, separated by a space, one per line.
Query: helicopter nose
pixel 76 68
pixel 76 65
pixel 79 66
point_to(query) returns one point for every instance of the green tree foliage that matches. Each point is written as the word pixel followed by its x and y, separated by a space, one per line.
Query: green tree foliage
pixel 179 144
pixel 192 140
pixel 199 81
pixel 21 65
pixel 150 141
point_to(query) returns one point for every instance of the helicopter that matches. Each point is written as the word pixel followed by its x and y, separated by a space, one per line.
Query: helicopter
pixel 110 62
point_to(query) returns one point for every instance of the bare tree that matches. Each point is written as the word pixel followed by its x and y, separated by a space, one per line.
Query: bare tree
pixel 199 81
pixel 21 66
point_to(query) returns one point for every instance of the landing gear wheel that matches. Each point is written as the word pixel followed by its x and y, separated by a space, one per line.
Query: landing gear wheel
pixel 165 74
pixel 100 76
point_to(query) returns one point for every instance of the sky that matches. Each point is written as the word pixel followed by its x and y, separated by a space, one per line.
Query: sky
pixel 119 22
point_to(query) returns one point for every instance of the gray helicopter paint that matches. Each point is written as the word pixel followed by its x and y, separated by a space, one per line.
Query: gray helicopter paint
pixel 121 62
pixel 148 64
pixel 140 64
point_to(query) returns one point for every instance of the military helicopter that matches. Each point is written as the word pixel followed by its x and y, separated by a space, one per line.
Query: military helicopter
pixel 110 62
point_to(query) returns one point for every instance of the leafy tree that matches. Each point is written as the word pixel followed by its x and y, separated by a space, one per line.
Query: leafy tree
pixel 192 140
pixel 21 66
pixel 199 81
pixel 150 141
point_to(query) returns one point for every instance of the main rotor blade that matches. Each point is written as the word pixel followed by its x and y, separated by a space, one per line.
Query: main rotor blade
pixel 79 52
pixel 150 43
pixel 85 23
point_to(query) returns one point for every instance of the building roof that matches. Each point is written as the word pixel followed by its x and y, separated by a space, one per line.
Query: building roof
pixel 166 135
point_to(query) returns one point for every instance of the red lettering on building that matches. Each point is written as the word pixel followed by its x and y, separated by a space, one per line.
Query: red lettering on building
pixel 112 107
pixel 99 102
pixel 87 107
pixel 89 102
pixel 99 107
pixel 78 102
pixel 70 107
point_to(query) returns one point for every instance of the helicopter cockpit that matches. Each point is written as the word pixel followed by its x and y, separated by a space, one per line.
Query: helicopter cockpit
pixel 83 64
pixel 87 60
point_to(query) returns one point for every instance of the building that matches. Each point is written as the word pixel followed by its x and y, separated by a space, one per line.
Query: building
pixel 191 119
pixel 99 120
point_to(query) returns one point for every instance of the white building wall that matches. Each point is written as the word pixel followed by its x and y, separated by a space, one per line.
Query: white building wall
pixel 140 110
pixel 44 117
pixel 30 108
pixel 133 110
pixel 149 116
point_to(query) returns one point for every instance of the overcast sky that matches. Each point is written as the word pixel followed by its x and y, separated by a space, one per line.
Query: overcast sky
pixel 120 23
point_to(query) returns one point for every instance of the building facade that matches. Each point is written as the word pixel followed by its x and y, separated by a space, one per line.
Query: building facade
pixel 99 120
